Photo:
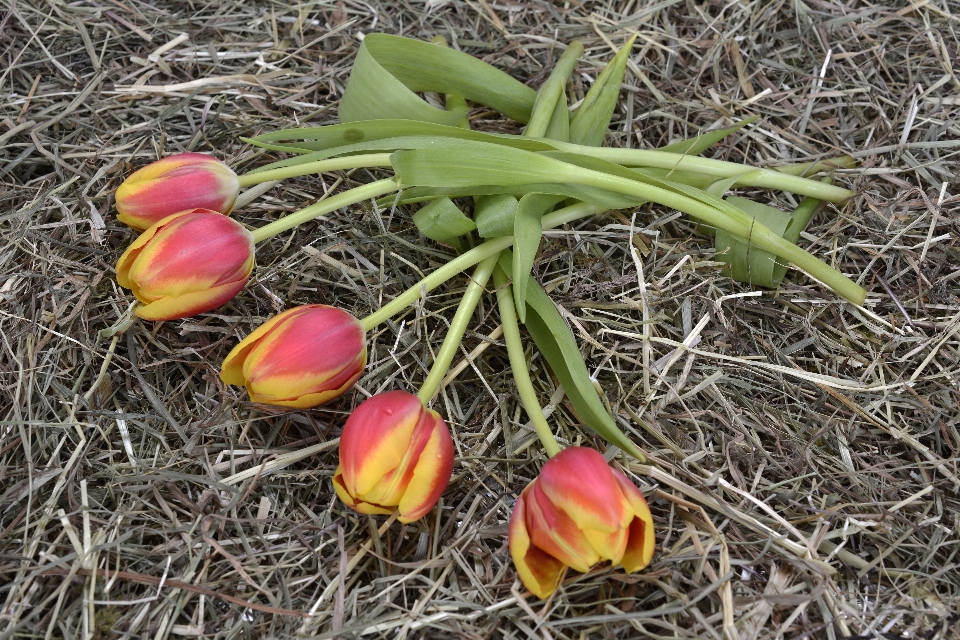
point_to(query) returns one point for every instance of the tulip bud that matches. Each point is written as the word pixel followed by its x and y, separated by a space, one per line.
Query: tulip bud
pixel 300 358
pixel 395 455
pixel 176 183
pixel 579 511
pixel 187 263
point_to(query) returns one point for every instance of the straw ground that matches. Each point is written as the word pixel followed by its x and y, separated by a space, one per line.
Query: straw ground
pixel 802 452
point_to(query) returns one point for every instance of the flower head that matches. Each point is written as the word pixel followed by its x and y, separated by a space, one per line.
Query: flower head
pixel 300 358
pixel 395 455
pixel 579 511
pixel 187 263
pixel 176 183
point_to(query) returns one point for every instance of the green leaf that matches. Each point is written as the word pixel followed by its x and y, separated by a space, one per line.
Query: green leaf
pixel 559 348
pixel 338 135
pixel 720 187
pixel 527 231
pixel 696 146
pixel 591 121
pixel 456 163
pixel 746 262
pixel 600 197
pixel 494 214
pixel 755 266
pixel 389 70
pixel 559 127
pixel 442 220
pixel 552 95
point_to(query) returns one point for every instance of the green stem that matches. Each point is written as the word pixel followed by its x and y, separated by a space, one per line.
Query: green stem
pixel 359 194
pixel 801 217
pixel 457 328
pixel 750 177
pixel 320 166
pixel 729 218
pixel 518 364
pixel 467 260
pixel 549 94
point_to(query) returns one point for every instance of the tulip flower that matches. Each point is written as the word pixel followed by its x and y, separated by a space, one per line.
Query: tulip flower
pixel 395 455
pixel 176 183
pixel 187 263
pixel 300 358
pixel 579 511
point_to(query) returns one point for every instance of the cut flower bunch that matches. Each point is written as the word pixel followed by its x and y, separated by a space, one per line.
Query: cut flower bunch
pixel 396 453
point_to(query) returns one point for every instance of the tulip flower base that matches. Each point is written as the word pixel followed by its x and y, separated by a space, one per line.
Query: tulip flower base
pixel 765 458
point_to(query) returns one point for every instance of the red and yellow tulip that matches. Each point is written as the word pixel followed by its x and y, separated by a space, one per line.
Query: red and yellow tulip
pixel 579 511
pixel 187 263
pixel 176 183
pixel 300 358
pixel 395 455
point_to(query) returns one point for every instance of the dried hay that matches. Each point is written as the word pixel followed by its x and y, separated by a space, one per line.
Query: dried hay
pixel 803 452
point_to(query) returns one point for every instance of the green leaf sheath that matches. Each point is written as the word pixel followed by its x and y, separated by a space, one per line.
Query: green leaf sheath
pixel 442 220
pixel 494 215
pixel 527 232
pixel 559 348
pixel 590 123
pixel 754 265
pixel 749 263
pixel 518 364
pixel 389 70
pixel 458 326
pixel 550 94
pixel 462 164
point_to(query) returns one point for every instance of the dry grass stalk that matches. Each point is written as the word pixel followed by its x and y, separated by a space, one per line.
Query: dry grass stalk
pixel 803 452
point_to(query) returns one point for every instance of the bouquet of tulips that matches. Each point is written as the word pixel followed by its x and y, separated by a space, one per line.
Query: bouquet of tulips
pixel 396 453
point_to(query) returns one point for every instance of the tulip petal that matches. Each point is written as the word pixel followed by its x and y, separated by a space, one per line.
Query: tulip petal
pixel 539 572
pixel 232 370
pixel 129 257
pixel 190 253
pixel 553 531
pixel 641 540
pixel 172 184
pixel 308 353
pixel 190 304
pixel 359 506
pixel 344 381
pixel 375 439
pixel 578 480
pixel 432 471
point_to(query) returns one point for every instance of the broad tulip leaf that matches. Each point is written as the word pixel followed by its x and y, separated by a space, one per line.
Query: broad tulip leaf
pixel 699 144
pixel 559 348
pixel 494 214
pixel 527 231
pixel 319 143
pixel 389 70
pixel 442 220
pixel 338 135
pixel 461 163
pixel 590 123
